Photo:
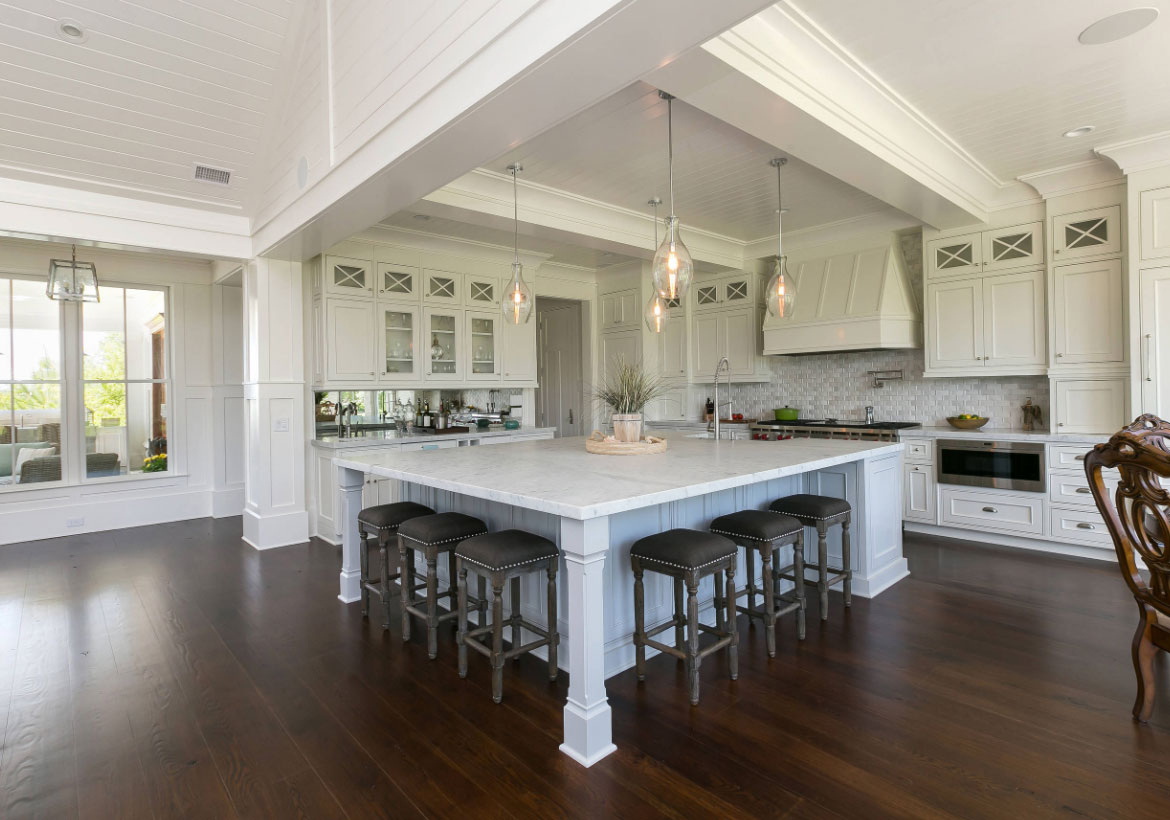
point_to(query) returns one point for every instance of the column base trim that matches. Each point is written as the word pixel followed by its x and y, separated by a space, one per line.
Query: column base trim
pixel 351 587
pixel 873 585
pixel 588 732
pixel 264 532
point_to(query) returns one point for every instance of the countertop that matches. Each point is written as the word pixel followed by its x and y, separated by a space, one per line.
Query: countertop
pixel 559 477
pixel 380 438
pixel 1006 434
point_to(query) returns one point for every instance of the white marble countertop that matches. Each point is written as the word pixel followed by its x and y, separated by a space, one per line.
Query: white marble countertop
pixel 1006 434
pixel 559 477
pixel 381 438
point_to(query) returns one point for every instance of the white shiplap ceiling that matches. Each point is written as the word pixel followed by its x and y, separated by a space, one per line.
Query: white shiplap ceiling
pixel 615 152
pixel 158 86
pixel 1004 79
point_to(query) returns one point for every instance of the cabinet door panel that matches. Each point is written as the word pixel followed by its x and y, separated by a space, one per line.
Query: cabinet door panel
pixel 617 347
pixel 708 344
pixel 739 345
pixel 918 493
pixel 672 348
pixel 441 287
pixel 1155 223
pixel 954 256
pixel 954 330
pixel 1154 344
pixel 482 332
pixel 519 343
pixel 1090 405
pixel 399 342
pixel 1086 233
pixel 399 282
pixel 1087 313
pixel 1021 246
pixel 1013 317
pixel 350 341
pixel 348 277
pixel 442 344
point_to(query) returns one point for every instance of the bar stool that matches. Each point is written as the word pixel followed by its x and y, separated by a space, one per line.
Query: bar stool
pixel 686 556
pixel 503 556
pixel 383 520
pixel 432 534
pixel 822 512
pixel 766 532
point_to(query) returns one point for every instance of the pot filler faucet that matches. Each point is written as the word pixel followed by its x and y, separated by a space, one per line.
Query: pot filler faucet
pixel 724 366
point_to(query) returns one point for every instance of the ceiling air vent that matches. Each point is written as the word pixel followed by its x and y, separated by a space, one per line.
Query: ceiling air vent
pixel 218 176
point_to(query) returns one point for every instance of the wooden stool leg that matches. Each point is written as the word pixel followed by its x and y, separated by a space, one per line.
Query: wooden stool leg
pixel 769 598
pixel 364 557
pixel 798 574
pixel 497 637
pixel 720 621
pixel 750 559
pixel 639 622
pixel 823 569
pixel 432 603
pixel 406 584
pixel 482 606
pixel 516 638
pixel 692 650
pixel 461 635
pixel 733 647
pixel 554 636
pixel 846 563
pixel 680 637
pixel 452 587
pixel 384 554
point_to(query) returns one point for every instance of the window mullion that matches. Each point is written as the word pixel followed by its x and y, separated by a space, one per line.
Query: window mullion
pixel 72 399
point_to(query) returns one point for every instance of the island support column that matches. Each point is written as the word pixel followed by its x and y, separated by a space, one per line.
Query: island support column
pixel 588 718
pixel 351 483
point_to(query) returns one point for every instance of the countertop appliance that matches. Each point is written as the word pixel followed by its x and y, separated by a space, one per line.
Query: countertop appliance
pixel 1005 465
pixel 853 430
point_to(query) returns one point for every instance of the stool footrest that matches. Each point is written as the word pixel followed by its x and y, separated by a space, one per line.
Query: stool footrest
pixel 682 655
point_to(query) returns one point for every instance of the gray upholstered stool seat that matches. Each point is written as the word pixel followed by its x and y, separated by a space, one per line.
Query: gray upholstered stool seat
pixel 687 556
pixel 433 534
pixel 503 556
pixel 822 512
pixel 382 519
pixel 766 532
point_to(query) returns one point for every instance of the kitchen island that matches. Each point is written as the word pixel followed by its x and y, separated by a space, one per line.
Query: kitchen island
pixel 595 507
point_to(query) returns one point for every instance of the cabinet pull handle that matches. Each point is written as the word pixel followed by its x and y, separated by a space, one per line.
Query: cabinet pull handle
pixel 1149 373
pixel 1060 355
pixel 1083 490
pixel 1084 525
pixel 570 415
pixel 990 509
pixel 1060 424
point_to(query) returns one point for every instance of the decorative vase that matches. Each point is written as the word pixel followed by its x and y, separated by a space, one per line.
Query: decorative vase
pixel 627 427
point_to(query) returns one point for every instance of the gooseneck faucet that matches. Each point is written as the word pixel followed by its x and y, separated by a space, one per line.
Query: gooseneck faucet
pixel 724 366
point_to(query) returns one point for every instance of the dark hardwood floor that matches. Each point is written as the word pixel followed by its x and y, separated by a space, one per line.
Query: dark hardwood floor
pixel 172 671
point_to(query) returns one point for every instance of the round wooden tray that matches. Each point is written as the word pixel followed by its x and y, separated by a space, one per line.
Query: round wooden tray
pixel 650 445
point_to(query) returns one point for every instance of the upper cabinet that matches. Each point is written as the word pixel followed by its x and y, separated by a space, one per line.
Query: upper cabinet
pixel 620 310
pixel 735 290
pixel 1087 314
pixel 1086 234
pixel 1155 341
pixel 1155 226
pixel 990 251
pixel 482 292
pixel 349 336
pixel 399 340
pixel 398 282
pixel 442 288
pixel 348 277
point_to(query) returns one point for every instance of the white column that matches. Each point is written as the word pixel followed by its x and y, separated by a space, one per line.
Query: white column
pixel 878 562
pixel 227 399
pixel 351 483
pixel 588 718
pixel 275 513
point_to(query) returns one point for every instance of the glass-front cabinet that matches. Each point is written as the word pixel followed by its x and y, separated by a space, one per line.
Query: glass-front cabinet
pixel 399 343
pixel 442 344
pixel 399 282
pixel 483 345
pixel 348 277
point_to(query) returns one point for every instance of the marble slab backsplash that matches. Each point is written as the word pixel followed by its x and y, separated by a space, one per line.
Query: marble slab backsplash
pixel 838 385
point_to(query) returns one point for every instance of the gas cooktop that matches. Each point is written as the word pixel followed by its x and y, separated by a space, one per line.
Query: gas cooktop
pixel 850 424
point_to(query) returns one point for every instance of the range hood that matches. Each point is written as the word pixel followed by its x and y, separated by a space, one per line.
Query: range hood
pixel 854 297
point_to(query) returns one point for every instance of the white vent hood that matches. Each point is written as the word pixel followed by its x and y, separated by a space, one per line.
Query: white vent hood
pixel 848 299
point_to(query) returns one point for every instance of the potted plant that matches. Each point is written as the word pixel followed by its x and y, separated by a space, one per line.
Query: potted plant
pixel 626 392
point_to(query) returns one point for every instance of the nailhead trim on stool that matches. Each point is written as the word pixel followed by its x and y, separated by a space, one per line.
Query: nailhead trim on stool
pixel 822 512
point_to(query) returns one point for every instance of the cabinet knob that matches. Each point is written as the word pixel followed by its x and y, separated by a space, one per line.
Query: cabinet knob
pixel 1057 250
pixel 1060 424
pixel 1060 355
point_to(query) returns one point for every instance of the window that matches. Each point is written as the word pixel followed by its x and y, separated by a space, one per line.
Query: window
pixel 93 410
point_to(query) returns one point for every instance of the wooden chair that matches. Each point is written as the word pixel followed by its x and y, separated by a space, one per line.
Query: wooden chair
pixel 1138 517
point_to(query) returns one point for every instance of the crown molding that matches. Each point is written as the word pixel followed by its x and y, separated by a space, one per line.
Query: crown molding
pixel 1141 154
pixel 876 223
pixel 450 245
pixel 1074 178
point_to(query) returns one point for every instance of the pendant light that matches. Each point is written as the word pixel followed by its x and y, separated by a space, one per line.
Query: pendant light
pixel 781 290
pixel 655 313
pixel 516 305
pixel 72 281
pixel 673 267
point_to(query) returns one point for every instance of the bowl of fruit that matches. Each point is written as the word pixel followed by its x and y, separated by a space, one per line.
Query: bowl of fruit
pixel 967 421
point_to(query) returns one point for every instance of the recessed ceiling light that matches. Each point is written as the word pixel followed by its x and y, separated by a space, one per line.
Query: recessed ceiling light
pixel 71 31
pixel 1117 26
pixel 1079 131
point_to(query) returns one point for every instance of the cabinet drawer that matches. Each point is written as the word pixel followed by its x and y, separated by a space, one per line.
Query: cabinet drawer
pixel 1082 526
pixel 1073 488
pixel 919 450
pixel 1068 456
pixel 1020 514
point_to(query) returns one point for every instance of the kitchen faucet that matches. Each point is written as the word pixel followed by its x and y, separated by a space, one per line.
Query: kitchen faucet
pixel 724 366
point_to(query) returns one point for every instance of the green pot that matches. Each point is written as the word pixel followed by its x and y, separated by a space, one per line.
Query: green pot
pixel 786 413
pixel 511 424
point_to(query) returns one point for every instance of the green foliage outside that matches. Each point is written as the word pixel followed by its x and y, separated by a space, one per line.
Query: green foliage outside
pixel 107 401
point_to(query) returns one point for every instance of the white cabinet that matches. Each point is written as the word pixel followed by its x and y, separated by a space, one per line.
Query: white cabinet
pixel 707 341
pixel 348 277
pixel 954 256
pixel 1154 341
pixel 672 349
pixel 1085 234
pixel 349 334
pixel 730 333
pixel 443 344
pixel 1089 405
pixel 482 292
pixel 617 347
pixel 482 332
pixel 730 291
pixel 1020 246
pixel 399 348
pixel 1084 526
pixel 919 493
pixel 442 288
pixel 1018 513
pixel 519 352
pixel 1087 316
pixel 319 346
pixel 620 310
pixel 993 324
pixel 398 282
pixel 1155 224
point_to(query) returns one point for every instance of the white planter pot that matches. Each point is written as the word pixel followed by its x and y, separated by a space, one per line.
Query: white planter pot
pixel 627 426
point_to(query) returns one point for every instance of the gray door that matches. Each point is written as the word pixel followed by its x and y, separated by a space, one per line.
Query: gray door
pixel 560 395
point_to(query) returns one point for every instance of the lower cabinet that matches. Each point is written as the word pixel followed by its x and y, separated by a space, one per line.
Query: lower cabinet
pixel 1018 513
pixel 919 493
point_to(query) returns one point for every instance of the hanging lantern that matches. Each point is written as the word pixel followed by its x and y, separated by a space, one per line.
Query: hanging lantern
pixel 673 268
pixel 780 295
pixel 655 314
pixel 516 304
pixel 72 281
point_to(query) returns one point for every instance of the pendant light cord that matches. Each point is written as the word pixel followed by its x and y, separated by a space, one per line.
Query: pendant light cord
pixel 515 219
pixel 779 214
pixel 670 149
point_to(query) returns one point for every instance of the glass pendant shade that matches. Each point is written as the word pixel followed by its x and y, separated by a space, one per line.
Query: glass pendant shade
pixel 673 268
pixel 516 306
pixel 656 313
pixel 781 292
pixel 72 281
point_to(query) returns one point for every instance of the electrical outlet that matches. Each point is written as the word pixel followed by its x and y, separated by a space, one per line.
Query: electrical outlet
pixel 74 522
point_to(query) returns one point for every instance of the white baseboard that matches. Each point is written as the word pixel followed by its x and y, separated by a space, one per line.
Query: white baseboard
pixel 880 581
pixel 266 532
pixel 1018 542
pixel 227 503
